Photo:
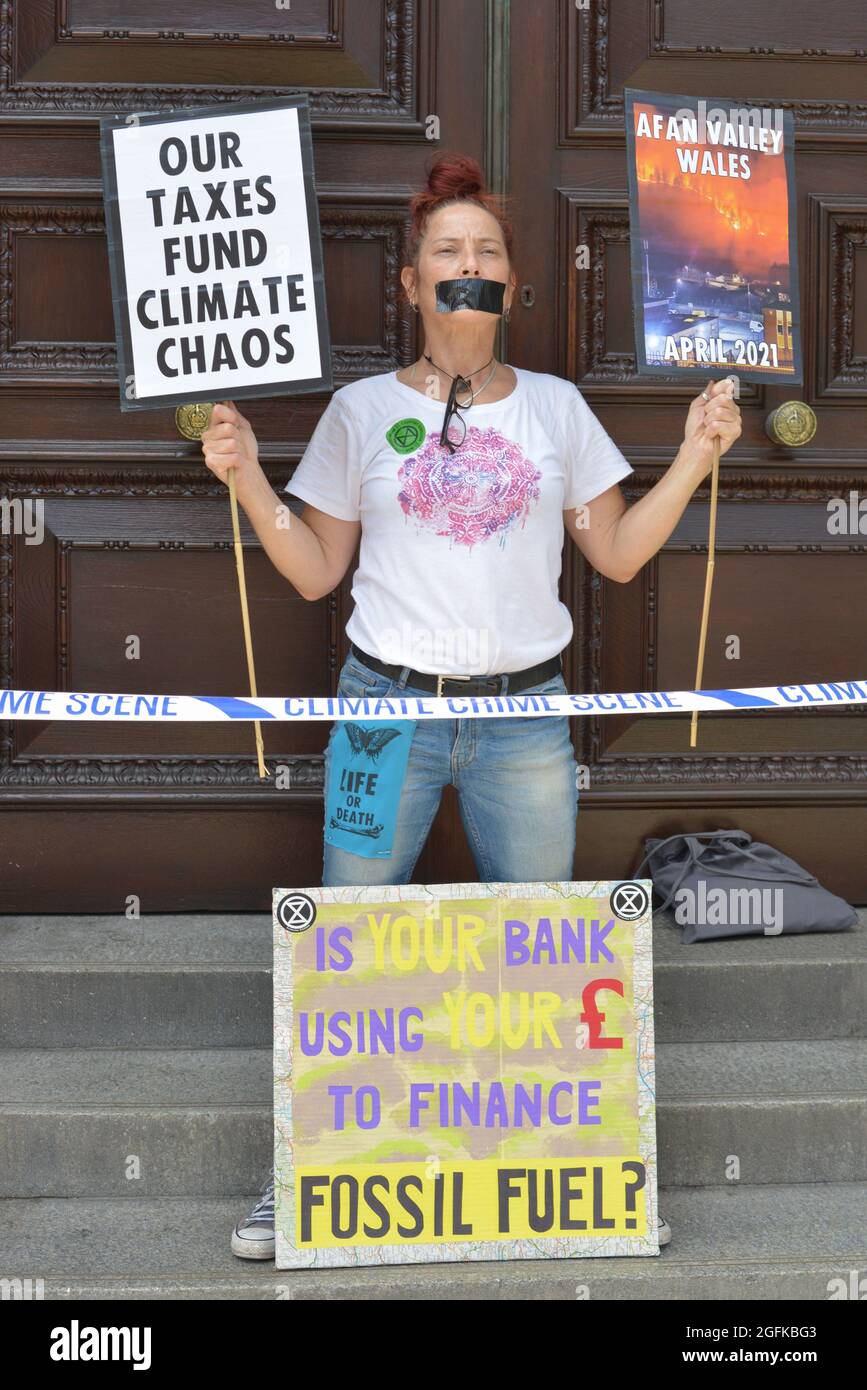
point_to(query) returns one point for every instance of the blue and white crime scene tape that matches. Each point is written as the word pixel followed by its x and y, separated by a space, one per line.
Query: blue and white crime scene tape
pixel 205 709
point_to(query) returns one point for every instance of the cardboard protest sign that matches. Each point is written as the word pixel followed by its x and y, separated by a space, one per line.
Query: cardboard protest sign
pixel 463 1072
pixel 215 254
pixel 713 238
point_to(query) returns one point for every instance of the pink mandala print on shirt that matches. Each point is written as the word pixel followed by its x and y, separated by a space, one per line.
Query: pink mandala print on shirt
pixel 485 489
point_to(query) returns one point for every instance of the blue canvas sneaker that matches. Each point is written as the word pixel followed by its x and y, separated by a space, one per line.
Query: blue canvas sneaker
pixel 253 1238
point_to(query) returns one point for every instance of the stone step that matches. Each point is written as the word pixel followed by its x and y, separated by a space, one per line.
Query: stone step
pixel 760 987
pixel 735 1243
pixel 786 1112
pixel 79 1122
pixel 74 1121
pixel 196 980
pixel 191 980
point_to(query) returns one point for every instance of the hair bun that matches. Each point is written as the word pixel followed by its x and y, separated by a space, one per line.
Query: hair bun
pixel 450 178
pixel 455 176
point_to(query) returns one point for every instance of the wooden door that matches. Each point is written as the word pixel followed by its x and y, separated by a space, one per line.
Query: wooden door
pixel 790 590
pixel 137 541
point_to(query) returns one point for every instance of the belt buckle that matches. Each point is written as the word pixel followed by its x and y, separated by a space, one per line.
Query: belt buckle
pixel 440 680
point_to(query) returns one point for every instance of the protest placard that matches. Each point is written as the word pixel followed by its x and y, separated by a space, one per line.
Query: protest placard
pixel 463 1072
pixel 713 238
pixel 215 254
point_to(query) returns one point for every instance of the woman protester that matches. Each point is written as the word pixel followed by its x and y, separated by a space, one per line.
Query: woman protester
pixel 460 476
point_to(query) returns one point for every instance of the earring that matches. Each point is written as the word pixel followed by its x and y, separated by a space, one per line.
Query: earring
pixel 507 314
pixel 414 306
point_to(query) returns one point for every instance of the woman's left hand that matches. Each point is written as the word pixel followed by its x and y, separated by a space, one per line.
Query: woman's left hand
pixel 713 414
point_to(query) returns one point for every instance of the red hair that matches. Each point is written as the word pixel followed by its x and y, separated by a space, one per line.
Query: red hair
pixel 454 178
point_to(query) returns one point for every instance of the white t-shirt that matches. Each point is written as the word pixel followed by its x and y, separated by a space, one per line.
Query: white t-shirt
pixel 460 553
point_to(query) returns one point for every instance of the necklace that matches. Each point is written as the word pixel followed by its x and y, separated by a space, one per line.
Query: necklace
pixel 468 380
pixel 459 383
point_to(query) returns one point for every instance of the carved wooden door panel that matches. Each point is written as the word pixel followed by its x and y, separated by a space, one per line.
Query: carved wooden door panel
pixel 136 537
pixel 788 587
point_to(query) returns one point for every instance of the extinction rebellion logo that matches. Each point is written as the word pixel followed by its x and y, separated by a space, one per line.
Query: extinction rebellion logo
pixel 296 912
pixel 629 901
pixel 406 435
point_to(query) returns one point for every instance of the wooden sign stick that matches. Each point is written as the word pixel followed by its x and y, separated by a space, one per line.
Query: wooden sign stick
pixel 191 422
pixel 708 585
pixel 245 616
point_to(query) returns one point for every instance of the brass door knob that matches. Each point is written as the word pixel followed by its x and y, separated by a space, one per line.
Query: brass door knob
pixel 193 420
pixel 793 423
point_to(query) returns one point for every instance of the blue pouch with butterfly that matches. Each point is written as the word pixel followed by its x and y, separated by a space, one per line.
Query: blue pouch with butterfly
pixel 366 769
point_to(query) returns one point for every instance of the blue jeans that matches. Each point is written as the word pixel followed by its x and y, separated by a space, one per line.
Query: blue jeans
pixel 517 787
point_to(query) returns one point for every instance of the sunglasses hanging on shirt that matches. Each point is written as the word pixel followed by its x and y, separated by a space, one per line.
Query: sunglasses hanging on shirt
pixel 461 386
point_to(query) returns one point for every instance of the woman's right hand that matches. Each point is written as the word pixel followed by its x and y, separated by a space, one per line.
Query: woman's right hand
pixel 229 442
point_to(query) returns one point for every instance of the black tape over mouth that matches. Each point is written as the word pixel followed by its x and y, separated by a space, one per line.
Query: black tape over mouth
pixel 470 292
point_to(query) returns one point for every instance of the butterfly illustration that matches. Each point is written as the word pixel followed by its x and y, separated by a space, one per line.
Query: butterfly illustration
pixel 369 741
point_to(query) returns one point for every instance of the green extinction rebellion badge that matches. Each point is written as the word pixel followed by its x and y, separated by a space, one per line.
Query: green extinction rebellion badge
pixel 406 435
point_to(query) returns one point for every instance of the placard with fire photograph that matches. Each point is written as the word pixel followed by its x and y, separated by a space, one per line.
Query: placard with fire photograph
pixel 713 237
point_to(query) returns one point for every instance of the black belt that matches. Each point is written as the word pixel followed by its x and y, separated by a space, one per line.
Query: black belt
pixel 515 681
